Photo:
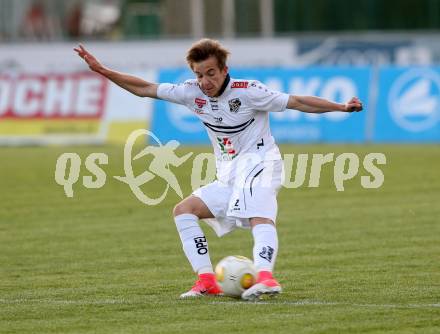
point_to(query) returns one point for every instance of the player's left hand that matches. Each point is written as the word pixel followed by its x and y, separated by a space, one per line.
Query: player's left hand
pixel 353 105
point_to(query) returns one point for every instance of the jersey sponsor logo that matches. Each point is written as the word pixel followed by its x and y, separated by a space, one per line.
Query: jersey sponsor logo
pixel 214 104
pixel 218 119
pixel 200 102
pixel 227 150
pixel 267 253
pixel 234 105
pixel 240 84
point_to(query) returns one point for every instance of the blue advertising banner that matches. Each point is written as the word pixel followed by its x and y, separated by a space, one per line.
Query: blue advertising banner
pixel 172 121
pixel 408 107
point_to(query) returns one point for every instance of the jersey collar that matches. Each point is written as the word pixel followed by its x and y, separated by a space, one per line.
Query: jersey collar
pixel 225 84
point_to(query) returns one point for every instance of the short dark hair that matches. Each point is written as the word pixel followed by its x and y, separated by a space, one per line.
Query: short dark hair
pixel 205 48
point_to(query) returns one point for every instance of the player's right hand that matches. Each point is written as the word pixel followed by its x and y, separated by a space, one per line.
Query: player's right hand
pixel 93 63
pixel 353 105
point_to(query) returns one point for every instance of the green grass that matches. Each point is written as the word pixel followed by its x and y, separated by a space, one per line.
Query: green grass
pixel 358 261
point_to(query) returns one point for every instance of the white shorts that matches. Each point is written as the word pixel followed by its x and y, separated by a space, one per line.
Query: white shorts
pixel 255 196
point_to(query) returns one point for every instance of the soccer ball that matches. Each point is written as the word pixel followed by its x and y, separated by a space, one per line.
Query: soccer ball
pixel 235 274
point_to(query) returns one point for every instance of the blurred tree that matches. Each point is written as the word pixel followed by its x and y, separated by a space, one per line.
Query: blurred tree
pixel 247 18
pixel 334 15
pixel 73 21
pixel 142 18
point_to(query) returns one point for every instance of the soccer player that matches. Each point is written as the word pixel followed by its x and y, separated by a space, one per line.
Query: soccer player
pixel 235 113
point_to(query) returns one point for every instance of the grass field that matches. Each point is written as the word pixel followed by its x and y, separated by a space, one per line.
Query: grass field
pixel 359 261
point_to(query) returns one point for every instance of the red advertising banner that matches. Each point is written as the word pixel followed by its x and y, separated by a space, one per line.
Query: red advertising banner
pixel 63 104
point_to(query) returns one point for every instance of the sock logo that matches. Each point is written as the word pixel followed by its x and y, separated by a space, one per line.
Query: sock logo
pixel 267 253
pixel 201 245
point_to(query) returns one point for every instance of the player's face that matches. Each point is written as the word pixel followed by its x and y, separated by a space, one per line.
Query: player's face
pixel 210 76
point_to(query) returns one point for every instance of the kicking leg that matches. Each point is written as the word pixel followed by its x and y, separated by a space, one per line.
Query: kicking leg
pixel 265 252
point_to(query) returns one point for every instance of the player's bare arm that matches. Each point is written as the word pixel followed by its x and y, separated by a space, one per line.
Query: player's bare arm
pixel 134 85
pixel 313 104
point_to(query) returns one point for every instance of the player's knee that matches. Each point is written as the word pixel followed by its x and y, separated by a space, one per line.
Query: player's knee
pixel 182 208
pixel 194 206
pixel 259 220
pixel 178 209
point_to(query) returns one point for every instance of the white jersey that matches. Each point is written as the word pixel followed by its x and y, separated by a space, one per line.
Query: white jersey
pixel 237 121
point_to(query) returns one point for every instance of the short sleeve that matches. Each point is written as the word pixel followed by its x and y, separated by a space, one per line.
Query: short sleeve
pixel 175 93
pixel 262 98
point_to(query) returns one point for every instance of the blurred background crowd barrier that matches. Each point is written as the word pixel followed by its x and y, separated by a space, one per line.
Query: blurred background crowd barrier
pixel 387 57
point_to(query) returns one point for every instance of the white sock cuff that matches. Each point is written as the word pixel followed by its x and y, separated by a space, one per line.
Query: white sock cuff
pixel 186 220
pixel 263 228
pixel 186 216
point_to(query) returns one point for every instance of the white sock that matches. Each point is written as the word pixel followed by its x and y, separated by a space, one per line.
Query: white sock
pixel 265 246
pixel 194 243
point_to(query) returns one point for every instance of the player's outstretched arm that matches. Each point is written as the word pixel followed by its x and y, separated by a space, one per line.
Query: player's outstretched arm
pixel 130 83
pixel 313 104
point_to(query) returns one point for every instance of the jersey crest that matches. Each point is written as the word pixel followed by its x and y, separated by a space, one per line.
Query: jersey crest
pixel 234 105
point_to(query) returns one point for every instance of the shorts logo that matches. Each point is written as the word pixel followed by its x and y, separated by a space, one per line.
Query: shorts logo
pixel 267 253
pixel 234 105
pixel 200 102
pixel 201 245
pixel 240 84
pixel 236 205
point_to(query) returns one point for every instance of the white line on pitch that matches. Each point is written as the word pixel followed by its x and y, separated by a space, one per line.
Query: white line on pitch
pixel 324 303
pixel 232 302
